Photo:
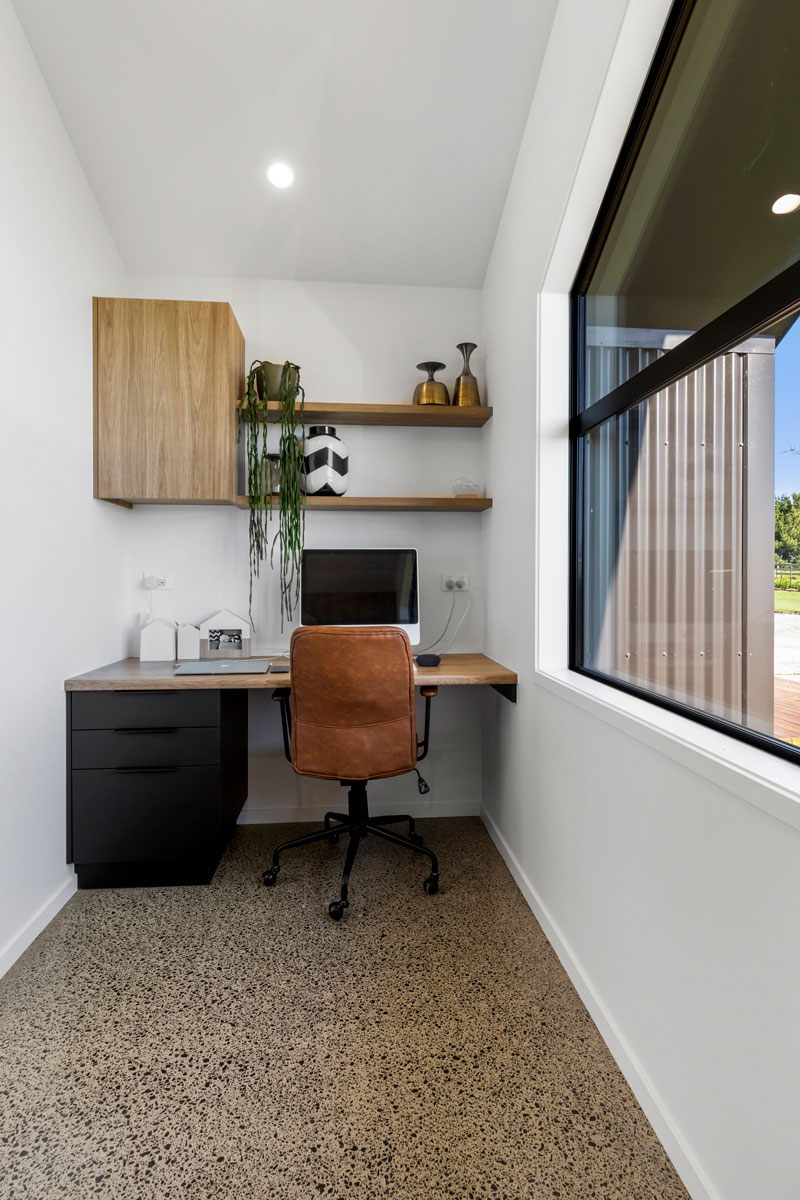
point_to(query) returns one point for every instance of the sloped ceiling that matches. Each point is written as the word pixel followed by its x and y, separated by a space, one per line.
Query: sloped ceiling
pixel 401 120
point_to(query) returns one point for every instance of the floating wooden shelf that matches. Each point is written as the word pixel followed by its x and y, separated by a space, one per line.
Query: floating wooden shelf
pixel 441 415
pixel 393 503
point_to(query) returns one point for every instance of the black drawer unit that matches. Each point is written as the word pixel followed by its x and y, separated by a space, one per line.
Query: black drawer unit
pixel 155 782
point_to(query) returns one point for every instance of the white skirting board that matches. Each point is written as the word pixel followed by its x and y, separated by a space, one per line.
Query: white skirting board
pixel 34 926
pixel 694 1179
pixel 338 803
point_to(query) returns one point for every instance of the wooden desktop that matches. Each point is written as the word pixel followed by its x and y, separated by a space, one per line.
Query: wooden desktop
pixel 129 674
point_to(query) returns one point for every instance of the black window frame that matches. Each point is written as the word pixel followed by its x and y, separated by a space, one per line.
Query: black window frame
pixel 776 299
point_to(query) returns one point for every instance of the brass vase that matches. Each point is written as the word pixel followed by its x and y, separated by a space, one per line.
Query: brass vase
pixel 465 392
pixel 431 391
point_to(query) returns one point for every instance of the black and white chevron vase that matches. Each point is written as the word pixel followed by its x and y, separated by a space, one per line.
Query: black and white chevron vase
pixel 325 463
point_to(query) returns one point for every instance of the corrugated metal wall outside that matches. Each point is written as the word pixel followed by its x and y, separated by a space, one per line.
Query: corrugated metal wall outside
pixel 609 366
pixel 668 541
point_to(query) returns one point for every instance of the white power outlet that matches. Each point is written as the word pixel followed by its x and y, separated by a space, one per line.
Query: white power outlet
pixel 455 583
pixel 153 582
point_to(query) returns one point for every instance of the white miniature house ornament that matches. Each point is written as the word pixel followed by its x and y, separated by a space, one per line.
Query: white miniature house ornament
pixel 157 640
pixel 224 635
pixel 188 641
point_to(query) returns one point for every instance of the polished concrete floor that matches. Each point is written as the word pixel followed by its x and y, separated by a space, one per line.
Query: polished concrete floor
pixel 233 1042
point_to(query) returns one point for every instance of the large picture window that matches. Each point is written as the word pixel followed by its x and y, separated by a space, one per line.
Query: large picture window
pixel 685 426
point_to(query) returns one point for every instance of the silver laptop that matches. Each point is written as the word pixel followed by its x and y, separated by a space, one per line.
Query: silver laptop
pixel 218 666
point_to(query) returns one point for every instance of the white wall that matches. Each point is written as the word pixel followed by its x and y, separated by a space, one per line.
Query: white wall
pixel 660 857
pixel 63 577
pixel 354 343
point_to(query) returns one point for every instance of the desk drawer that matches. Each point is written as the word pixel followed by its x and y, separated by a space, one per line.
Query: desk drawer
pixel 134 710
pixel 147 815
pixel 153 747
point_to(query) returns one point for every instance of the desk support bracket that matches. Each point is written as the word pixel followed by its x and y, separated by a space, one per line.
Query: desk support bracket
pixel 507 690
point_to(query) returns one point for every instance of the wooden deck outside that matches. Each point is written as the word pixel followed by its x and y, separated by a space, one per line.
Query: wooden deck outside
pixel 787 708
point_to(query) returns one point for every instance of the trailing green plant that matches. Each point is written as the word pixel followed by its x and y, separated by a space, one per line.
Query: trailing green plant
pixel 291 508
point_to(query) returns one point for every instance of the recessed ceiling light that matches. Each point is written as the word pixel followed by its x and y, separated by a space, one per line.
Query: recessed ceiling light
pixel 281 176
pixel 786 204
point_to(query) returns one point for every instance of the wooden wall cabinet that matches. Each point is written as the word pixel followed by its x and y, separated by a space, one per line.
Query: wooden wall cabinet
pixel 168 375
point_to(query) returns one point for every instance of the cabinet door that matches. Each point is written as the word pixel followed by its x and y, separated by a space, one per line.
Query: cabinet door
pixel 168 376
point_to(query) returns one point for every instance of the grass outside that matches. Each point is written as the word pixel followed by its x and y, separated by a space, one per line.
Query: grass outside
pixel 787 602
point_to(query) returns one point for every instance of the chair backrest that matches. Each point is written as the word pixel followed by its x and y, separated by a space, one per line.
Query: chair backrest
pixel 352 702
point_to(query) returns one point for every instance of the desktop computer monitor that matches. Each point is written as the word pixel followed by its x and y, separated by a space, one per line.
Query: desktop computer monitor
pixel 360 587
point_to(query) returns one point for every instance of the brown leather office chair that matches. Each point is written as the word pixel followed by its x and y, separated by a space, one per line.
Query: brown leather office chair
pixel 350 716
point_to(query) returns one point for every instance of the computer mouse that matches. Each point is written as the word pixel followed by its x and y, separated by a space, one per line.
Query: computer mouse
pixel 428 660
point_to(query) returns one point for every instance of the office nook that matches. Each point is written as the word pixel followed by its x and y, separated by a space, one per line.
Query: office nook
pixel 401 729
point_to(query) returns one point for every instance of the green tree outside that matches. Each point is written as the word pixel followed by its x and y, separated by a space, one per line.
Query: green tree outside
pixel 787 528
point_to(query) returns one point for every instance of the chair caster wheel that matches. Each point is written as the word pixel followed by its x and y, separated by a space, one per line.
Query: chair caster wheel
pixel 415 838
pixel 270 876
pixel 431 885
pixel 336 910
pixel 332 839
